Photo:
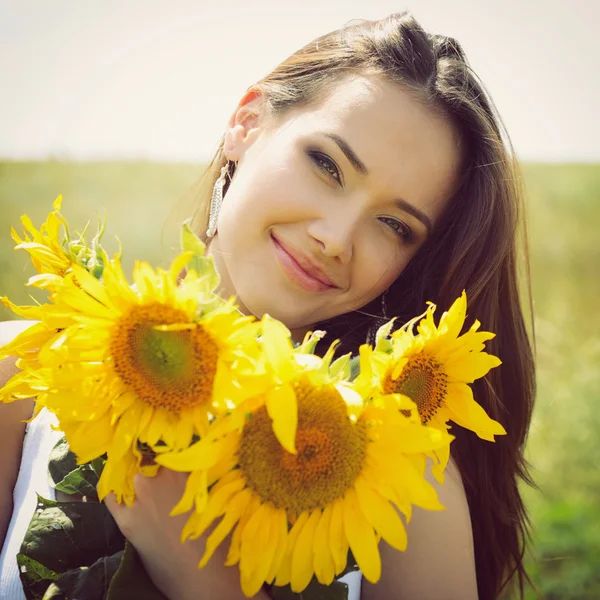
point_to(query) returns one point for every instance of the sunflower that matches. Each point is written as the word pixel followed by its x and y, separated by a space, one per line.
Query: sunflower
pixel 146 365
pixel 53 257
pixel 434 367
pixel 295 515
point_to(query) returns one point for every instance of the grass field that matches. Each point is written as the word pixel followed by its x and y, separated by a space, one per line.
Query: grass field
pixel 564 223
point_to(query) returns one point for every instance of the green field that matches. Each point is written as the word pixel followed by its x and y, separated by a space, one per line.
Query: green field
pixel 564 224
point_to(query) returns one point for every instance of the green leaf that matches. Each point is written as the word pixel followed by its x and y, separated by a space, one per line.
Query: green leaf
pixel 69 477
pixel 85 583
pixel 190 242
pixel 81 481
pixel 35 577
pixel 131 579
pixel 337 590
pixel 314 591
pixel 62 461
pixel 68 535
pixel 202 264
pixel 98 465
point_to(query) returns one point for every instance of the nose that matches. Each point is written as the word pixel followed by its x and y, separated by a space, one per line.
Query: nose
pixel 335 235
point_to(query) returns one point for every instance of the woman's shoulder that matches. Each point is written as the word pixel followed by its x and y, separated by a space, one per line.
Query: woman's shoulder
pixel 440 553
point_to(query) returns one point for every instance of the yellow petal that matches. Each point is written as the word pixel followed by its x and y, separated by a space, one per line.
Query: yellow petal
pixel 281 531
pixel 381 515
pixel 195 486
pixel 278 348
pixel 413 483
pixel 285 572
pixel 442 456
pixel 232 516
pixel 200 455
pixel 452 321
pixel 255 536
pixel 282 407
pixel 338 544
pixel 464 411
pixel 88 440
pixel 473 367
pixel 361 538
pixel 302 558
pixel 219 502
pixel 265 555
pixel 91 285
pixel 178 264
pixel 233 555
pixel 323 566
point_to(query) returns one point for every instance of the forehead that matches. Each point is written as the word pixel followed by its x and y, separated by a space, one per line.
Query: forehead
pixel 409 149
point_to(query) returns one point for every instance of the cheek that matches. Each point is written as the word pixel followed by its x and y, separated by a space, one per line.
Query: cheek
pixel 282 190
pixel 377 266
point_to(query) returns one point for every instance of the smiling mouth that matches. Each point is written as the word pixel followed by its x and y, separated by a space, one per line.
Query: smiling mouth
pixel 295 273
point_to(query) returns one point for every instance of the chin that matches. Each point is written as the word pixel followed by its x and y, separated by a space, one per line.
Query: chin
pixel 293 317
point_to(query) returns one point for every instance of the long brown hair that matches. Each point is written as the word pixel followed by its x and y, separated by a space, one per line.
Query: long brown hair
pixel 474 247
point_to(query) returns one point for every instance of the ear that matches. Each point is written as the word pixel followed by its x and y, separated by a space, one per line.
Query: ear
pixel 243 126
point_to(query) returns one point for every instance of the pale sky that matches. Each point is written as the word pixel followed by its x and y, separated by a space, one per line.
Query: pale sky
pixel 142 79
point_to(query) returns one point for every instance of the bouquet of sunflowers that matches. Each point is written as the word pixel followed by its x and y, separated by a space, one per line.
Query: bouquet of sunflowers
pixel 307 461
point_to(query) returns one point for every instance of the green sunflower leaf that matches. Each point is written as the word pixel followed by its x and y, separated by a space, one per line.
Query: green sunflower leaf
pixel 69 477
pixel 67 535
pixel 35 577
pixel 131 579
pixel 85 583
pixel 313 591
pixel 337 590
pixel 202 264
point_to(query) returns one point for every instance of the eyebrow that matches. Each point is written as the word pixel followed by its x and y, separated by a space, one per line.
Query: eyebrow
pixel 360 167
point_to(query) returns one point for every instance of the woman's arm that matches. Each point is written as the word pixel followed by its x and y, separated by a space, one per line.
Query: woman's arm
pixel 12 432
pixel 439 562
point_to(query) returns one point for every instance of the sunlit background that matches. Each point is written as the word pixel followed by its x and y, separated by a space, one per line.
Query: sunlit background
pixel 117 105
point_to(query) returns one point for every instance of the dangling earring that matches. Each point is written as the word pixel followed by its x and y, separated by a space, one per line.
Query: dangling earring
pixel 216 201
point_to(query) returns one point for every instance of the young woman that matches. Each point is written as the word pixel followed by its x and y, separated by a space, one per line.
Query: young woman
pixel 367 174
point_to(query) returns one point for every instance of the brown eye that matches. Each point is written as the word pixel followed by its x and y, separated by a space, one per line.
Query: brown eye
pixel 325 164
pixel 402 230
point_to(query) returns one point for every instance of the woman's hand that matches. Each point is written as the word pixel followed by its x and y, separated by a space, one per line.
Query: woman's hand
pixel 173 566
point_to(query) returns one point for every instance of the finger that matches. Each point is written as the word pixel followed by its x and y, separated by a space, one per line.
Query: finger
pixel 111 503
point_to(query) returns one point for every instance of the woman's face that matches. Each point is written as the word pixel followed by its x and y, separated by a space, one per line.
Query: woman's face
pixel 330 202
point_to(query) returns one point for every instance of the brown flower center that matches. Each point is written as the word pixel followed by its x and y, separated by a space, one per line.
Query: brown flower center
pixel 330 452
pixel 423 381
pixel 167 369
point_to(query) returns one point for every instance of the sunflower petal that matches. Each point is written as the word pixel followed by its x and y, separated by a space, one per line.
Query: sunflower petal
pixel 464 411
pixel 232 516
pixel 282 407
pixel 473 367
pixel 338 543
pixel 361 538
pixel 285 572
pixel 302 558
pixel 381 515
pixel 323 566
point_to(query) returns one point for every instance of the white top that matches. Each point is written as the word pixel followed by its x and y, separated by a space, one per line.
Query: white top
pixel 39 440
pixel 33 477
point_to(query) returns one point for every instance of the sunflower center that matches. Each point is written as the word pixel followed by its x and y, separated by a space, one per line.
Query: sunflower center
pixel 167 369
pixel 423 381
pixel 330 452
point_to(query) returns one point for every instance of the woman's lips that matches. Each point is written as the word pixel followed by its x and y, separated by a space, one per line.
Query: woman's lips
pixel 295 272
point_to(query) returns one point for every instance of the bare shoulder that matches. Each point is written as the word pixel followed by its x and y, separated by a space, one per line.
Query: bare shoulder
pixel 439 561
pixel 12 427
